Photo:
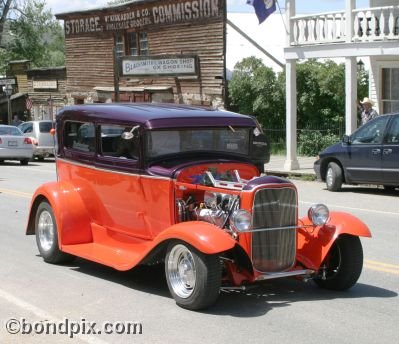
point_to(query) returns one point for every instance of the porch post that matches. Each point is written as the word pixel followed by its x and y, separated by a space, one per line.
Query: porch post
pixel 350 94
pixel 350 74
pixel 291 162
pixel 350 5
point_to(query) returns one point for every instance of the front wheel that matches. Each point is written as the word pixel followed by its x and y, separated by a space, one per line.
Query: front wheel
pixel 193 278
pixel 47 236
pixel 343 265
pixel 334 177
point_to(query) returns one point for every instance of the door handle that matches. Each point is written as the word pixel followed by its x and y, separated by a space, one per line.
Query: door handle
pixel 387 151
pixel 376 151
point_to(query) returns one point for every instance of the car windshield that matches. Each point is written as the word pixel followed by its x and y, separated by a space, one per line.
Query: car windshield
pixel 13 131
pixel 222 140
pixel 45 127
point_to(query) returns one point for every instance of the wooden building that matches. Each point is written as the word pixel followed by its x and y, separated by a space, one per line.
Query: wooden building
pixel 47 91
pixel 147 50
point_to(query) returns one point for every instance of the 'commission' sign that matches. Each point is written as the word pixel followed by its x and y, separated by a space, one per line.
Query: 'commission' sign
pixel 145 15
pixel 165 65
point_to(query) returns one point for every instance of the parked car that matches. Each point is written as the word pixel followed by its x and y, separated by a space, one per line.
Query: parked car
pixel 42 138
pixel 369 156
pixel 14 146
pixel 146 184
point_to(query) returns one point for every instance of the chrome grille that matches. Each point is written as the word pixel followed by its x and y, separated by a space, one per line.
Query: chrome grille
pixel 274 250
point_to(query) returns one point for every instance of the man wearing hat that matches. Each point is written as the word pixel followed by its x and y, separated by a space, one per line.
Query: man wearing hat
pixel 368 112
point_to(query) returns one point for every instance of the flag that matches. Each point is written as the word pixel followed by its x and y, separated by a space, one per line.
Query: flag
pixel 263 8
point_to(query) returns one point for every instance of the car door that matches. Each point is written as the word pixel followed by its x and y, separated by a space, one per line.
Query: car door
pixel 390 153
pixel 365 152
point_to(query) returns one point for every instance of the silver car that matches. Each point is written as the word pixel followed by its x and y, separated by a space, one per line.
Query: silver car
pixel 42 139
pixel 14 145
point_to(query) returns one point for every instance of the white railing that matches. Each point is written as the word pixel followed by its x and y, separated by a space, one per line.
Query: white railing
pixel 371 24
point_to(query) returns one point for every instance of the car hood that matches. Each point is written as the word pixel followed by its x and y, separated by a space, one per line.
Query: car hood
pixel 335 148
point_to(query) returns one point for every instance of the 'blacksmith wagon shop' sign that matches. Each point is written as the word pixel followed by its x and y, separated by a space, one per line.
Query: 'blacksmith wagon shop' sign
pixel 162 65
pixel 154 50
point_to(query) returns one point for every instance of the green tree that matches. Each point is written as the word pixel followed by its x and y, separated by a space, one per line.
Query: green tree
pixel 254 90
pixel 33 35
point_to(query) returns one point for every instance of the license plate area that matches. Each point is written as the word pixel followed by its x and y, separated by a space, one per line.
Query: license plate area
pixel 12 144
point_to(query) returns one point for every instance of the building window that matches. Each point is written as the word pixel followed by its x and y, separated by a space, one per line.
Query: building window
pixel 120 46
pixel 390 90
pixel 137 43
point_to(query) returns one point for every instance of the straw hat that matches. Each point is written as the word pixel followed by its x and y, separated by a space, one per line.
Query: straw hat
pixel 367 101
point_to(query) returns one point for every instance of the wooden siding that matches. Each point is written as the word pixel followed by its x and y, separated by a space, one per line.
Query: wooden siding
pixel 89 62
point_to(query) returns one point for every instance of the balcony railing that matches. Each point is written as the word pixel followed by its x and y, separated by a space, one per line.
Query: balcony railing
pixel 369 25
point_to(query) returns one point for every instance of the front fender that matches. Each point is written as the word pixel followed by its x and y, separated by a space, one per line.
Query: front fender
pixel 204 236
pixel 70 212
pixel 315 242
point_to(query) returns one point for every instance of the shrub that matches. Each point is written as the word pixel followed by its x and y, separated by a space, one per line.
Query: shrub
pixel 311 142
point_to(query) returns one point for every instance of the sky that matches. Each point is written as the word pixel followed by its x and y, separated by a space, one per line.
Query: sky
pixel 303 6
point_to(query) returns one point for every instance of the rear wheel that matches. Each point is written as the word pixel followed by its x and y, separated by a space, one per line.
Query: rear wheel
pixel 343 265
pixel 47 236
pixel 193 278
pixel 334 177
pixel 24 161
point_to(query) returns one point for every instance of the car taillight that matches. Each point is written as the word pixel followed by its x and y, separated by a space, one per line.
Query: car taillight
pixel 28 141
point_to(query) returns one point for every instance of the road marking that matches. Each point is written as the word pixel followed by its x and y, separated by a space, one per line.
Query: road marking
pixel 384 267
pixel 43 315
pixel 358 209
pixel 16 193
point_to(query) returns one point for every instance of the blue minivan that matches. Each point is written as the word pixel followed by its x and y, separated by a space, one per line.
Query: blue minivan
pixel 369 156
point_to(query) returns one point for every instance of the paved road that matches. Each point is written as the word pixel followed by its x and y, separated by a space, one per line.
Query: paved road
pixel 281 311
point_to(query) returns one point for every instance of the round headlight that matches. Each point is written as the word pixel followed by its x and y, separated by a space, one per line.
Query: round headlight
pixel 241 221
pixel 319 214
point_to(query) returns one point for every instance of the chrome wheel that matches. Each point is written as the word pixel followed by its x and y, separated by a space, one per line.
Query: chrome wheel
pixel 46 230
pixel 330 177
pixel 181 271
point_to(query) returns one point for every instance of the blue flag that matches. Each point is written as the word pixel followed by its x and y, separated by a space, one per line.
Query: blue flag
pixel 263 8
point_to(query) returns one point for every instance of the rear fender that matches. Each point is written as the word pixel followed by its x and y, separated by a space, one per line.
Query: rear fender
pixel 315 242
pixel 204 236
pixel 71 215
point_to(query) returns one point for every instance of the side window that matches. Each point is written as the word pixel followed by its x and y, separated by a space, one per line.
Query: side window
pixel 27 128
pixel 393 134
pixel 114 144
pixel 80 136
pixel 371 132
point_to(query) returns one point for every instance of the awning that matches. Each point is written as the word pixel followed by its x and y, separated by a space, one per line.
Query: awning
pixel 13 97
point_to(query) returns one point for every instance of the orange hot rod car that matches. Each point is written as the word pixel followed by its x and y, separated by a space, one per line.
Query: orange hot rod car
pixel 144 183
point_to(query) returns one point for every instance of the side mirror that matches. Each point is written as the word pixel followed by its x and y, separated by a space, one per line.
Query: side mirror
pixel 346 139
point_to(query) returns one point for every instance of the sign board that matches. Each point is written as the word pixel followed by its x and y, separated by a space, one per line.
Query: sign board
pixel 142 15
pixel 159 65
pixel 45 84
pixel 5 82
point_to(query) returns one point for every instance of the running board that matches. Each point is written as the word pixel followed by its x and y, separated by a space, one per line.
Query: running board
pixel 284 274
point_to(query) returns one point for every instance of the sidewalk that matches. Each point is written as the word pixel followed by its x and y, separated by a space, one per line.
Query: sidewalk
pixel 276 166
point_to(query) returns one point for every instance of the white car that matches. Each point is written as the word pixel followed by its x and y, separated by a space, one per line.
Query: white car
pixel 43 141
pixel 14 145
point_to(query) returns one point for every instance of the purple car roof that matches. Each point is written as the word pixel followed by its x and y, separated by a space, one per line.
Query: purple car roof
pixel 155 116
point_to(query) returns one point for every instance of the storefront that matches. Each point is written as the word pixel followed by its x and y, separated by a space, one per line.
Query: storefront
pixel 151 51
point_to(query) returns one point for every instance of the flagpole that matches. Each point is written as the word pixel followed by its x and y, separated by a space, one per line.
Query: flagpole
pixel 282 17
pixel 254 43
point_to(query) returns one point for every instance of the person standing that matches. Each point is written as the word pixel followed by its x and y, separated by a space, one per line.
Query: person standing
pixel 368 112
